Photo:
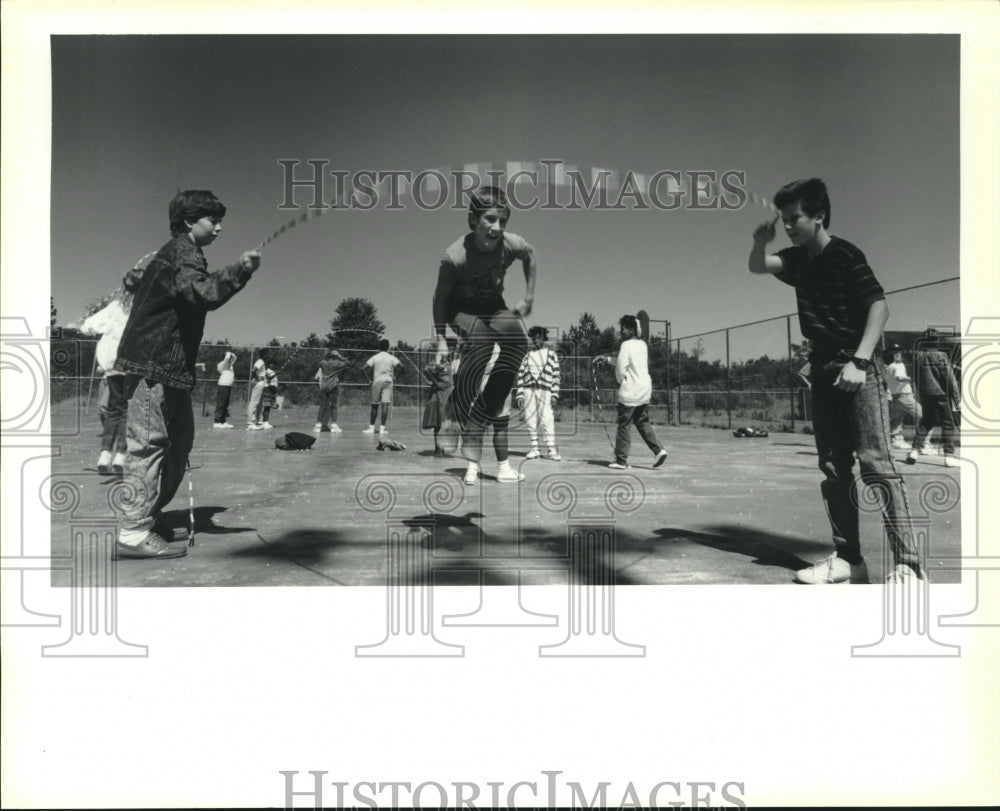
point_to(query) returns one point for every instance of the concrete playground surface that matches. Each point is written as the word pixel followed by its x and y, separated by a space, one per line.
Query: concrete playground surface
pixel 721 510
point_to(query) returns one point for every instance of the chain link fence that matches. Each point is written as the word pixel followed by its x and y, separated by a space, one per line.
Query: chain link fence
pixel 746 374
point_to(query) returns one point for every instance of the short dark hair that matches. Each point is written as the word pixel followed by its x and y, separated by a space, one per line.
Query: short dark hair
pixel 810 193
pixel 485 198
pixel 192 205
pixel 630 322
pixel 538 331
pixel 383 344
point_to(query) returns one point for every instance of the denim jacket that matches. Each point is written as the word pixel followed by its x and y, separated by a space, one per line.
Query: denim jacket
pixel 164 329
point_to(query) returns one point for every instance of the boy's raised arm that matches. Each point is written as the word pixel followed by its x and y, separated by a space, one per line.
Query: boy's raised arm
pixel 760 261
pixel 214 289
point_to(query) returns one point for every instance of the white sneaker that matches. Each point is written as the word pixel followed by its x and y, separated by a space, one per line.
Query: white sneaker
pixel 472 474
pixel 534 453
pixel 267 426
pixel 660 458
pixel 317 427
pixel 900 444
pixel 336 429
pixel 833 570
pixel 218 425
pixel 226 425
pixel 911 457
pixel 118 464
pixel 369 430
pixel 254 426
pixel 929 450
pixel 618 466
pixel 508 474
pixel 902 574
pixel 950 460
pixel 383 430
pixel 554 455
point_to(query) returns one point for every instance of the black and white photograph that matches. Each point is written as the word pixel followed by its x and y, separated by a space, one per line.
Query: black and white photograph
pixel 427 398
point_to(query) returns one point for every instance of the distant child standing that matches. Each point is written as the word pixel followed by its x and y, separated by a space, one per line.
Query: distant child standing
pixel 938 391
pixel 383 367
pixel 901 401
pixel 269 397
pixel 224 389
pixel 258 378
pixel 328 375
pixel 537 388
pixel 109 322
pixel 842 311
pixel 158 351
pixel 635 389
pixel 440 377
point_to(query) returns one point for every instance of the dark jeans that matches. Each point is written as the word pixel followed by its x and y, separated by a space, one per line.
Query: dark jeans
pixel 160 430
pixel 480 333
pixel 328 407
pixel 113 438
pixel 639 417
pixel 936 411
pixel 849 423
pixel 222 394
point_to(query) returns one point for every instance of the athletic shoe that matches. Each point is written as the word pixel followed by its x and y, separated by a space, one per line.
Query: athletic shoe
pixel 661 457
pixel 104 463
pixel 226 425
pixel 902 574
pixel 318 427
pixel 929 450
pixel 218 425
pixel 911 457
pixel 472 475
pixel 508 474
pixel 833 570
pixel 383 430
pixel 336 429
pixel 267 426
pixel 152 546
pixel 900 444
pixel 369 430
pixel 534 453
pixel 950 460
pixel 554 455
pixel 118 464
pixel 618 466
pixel 255 427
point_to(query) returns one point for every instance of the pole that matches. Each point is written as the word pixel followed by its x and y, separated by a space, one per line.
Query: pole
pixel 791 390
pixel 679 376
pixel 729 395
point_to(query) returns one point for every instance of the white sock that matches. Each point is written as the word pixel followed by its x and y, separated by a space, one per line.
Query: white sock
pixel 505 464
pixel 473 467
pixel 132 537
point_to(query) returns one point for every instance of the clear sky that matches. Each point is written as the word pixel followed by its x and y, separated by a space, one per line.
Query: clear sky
pixel 136 118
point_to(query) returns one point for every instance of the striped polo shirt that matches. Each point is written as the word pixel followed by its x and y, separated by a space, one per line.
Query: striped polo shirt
pixel 835 290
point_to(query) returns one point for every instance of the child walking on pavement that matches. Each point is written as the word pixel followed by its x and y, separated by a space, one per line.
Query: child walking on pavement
pixel 635 388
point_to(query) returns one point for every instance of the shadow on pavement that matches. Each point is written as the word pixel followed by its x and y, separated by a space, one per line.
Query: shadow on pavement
pixel 767 549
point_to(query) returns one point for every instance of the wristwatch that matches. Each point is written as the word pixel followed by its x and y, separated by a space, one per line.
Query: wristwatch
pixel 864 364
